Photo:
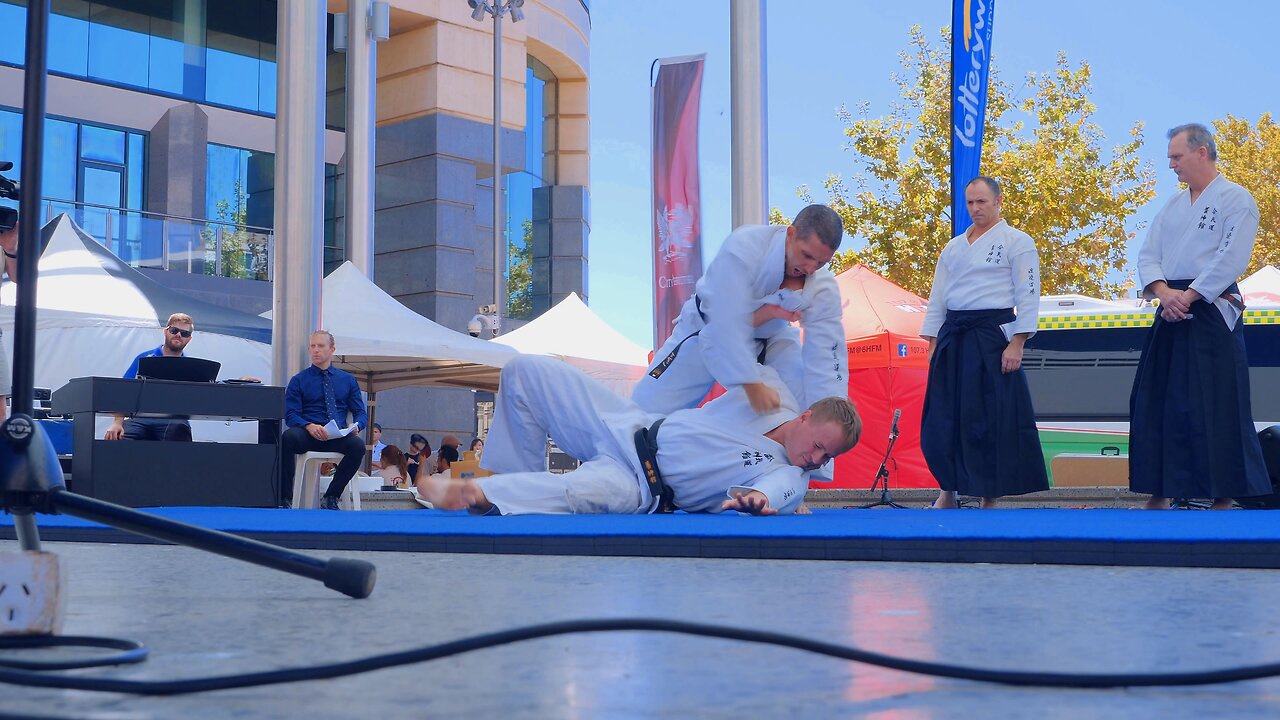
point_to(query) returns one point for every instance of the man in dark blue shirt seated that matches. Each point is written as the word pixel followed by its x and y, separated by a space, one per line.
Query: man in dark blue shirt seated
pixel 317 395
pixel 177 335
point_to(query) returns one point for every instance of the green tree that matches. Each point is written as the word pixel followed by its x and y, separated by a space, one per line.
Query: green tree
pixel 520 275
pixel 1058 186
pixel 1250 155
pixel 244 253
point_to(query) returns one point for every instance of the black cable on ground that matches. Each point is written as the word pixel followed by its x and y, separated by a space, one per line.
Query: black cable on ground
pixel 505 637
pixel 130 652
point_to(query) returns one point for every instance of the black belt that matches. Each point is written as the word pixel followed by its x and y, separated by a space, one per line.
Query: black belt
pixel 662 366
pixel 647 450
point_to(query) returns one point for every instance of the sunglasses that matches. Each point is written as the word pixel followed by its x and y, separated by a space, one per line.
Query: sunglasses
pixel 179 331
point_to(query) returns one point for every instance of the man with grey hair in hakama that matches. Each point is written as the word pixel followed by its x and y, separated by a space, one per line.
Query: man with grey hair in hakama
pixel 1191 432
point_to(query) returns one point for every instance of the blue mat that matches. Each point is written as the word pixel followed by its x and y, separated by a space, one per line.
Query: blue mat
pixel 1120 537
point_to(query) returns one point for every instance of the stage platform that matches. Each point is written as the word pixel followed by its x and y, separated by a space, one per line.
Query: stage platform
pixel 1175 538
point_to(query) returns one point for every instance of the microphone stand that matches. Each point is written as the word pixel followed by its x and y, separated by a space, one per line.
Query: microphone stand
pixel 882 475
pixel 31 478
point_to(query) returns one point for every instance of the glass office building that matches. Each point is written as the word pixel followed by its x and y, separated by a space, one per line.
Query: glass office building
pixel 160 140
pixel 220 52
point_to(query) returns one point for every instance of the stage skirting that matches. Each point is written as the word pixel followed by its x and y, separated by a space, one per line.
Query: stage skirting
pixel 1244 539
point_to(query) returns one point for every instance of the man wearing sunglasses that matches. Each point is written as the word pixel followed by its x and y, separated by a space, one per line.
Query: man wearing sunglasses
pixel 177 335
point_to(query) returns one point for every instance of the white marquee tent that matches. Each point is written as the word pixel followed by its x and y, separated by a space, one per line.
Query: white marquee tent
pixel 95 314
pixel 1262 288
pixel 575 334
pixel 386 345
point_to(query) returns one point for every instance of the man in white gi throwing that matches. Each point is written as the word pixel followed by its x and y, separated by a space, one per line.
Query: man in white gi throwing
pixel 1191 427
pixel 763 278
pixel 723 456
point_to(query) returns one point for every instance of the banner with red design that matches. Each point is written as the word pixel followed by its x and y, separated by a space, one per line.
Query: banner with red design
pixel 677 215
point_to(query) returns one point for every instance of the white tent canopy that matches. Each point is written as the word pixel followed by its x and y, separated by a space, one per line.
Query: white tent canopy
pixel 1073 304
pixel 1262 288
pixel 387 345
pixel 575 334
pixel 95 314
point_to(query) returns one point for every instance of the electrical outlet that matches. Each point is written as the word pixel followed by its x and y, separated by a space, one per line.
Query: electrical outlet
pixel 30 593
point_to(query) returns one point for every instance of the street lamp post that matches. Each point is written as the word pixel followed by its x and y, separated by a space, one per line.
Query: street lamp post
pixel 497 8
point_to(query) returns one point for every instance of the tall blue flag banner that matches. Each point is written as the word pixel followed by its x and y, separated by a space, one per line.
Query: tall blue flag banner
pixel 970 66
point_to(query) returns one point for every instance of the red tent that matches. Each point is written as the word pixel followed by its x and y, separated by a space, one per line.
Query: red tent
pixel 887 371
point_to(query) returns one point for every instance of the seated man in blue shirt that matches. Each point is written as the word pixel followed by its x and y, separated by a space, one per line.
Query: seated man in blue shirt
pixel 177 335
pixel 315 396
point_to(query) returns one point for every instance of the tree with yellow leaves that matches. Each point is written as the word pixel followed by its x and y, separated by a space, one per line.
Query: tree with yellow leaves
pixel 1058 187
pixel 1250 156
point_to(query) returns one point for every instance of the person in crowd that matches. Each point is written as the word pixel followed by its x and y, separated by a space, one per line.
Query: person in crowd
pixel 1191 428
pixel 450 440
pixel 176 335
pixel 446 456
pixel 9 244
pixel 477 447
pixel 395 467
pixel 763 278
pixel 419 451
pixel 317 397
pixel 978 430
pixel 375 460
pixel 723 456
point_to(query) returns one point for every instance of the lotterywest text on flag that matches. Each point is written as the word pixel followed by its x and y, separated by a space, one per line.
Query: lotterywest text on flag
pixel 677 221
pixel 970 68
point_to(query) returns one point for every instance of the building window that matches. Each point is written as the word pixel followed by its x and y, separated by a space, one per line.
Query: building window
pixel 240 190
pixel 221 52
pixel 93 172
pixel 541 98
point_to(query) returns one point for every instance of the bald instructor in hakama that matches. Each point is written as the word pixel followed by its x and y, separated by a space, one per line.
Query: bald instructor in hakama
pixel 978 430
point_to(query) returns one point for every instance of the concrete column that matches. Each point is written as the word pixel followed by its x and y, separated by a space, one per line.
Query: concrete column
pixel 299 209
pixel 749 110
pixel 362 78
pixel 177 160
pixel 561 228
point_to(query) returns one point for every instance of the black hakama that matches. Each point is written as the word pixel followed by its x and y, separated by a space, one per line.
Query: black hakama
pixel 1191 432
pixel 978 431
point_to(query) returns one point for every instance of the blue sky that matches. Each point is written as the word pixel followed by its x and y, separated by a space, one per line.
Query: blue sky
pixel 1161 62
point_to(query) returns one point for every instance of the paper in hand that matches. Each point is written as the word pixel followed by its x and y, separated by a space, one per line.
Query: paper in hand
pixel 333 431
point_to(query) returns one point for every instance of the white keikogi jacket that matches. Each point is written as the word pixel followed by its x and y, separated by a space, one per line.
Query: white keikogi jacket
pixel 745 274
pixel 1000 269
pixel 1208 242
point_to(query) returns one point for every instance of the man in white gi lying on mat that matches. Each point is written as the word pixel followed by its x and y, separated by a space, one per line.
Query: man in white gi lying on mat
pixel 723 456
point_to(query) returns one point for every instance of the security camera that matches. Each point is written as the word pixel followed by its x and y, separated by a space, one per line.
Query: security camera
pixel 488 309
pixel 479 323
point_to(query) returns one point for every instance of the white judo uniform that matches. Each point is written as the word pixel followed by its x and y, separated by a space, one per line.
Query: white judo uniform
pixel 718 344
pixel 1209 241
pixel 703 454
pixel 1001 269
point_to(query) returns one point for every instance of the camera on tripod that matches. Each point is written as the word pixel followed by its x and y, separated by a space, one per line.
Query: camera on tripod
pixel 8 191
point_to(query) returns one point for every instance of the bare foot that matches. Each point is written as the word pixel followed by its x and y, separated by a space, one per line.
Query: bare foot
pixel 474 498
pixel 989 503
pixel 443 493
pixel 1222 504
pixel 1156 503
pixel 946 501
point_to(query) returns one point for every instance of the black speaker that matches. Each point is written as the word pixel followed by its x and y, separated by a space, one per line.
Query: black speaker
pixel 1270 441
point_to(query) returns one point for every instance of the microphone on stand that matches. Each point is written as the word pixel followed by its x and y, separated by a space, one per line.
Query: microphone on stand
pixel 893 432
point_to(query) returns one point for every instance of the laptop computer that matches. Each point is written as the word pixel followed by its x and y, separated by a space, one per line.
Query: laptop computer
pixel 182 369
